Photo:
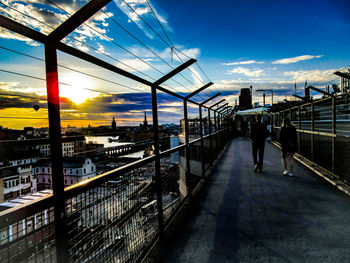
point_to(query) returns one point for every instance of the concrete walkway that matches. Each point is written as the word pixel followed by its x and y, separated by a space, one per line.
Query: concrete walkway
pixel 240 216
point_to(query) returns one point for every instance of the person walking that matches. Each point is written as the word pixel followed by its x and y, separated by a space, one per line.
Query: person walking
pixel 258 134
pixel 288 140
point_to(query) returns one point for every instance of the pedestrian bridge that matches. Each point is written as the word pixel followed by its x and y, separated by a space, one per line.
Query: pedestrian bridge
pixel 240 216
pixel 229 215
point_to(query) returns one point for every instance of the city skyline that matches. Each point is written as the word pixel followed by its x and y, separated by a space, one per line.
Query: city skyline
pixel 270 45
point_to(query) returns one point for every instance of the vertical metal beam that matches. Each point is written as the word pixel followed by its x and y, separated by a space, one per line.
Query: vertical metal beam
pixel 312 129
pixel 299 127
pixel 201 136
pixel 334 131
pixel 210 135
pixel 187 148
pixel 56 151
pixel 216 135
pixel 264 98
pixel 158 179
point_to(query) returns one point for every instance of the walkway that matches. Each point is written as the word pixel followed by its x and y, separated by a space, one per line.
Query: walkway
pixel 243 217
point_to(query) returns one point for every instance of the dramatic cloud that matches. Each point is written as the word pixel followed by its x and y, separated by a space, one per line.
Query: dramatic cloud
pixel 134 9
pixel 133 65
pixel 295 59
pixel 45 17
pixel 247 72
pixel 243 63
pixel 310 75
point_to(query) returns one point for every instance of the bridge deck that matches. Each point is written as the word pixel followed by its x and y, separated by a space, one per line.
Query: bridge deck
pixel 243 217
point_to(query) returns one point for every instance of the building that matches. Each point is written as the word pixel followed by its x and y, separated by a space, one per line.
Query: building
pixel 75 169
pixel 114 125
pixel 26 226
pixel 16 182
pixel 144 126
pixel 245 99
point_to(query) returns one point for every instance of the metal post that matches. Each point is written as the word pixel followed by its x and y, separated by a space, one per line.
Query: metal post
pixel 264 98
pixel 187 148
pixel 271 97
pixel 210 144
pixel 56 151
pixel 216 136
pixel 299 127
pixel 201 135
pixel 334 131
pixel 312 129
pixel 158 179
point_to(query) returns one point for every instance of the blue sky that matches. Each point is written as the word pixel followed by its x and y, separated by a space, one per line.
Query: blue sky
pixel 267 44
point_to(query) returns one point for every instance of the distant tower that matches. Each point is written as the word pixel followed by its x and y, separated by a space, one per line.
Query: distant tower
pixel 114 125
pixel 145 123
pixel 245 99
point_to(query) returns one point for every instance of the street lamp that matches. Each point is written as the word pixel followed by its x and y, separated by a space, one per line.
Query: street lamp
pixel 263 90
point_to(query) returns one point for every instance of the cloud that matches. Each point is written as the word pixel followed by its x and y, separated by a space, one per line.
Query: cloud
pixel 247 72
pixel 143 10
pixel 243 63
pixel 196 76
pixel 136 64
pixel 44 17
pixel 295 59
pixel 310 75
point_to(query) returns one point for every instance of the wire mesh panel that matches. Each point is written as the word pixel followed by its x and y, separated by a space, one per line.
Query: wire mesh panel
pixel 114 221
pixel 29 238
pixel 322 151
pixel 206 152
pixel 294 116
pixel 173 184
pixel 343 116
pixel 305 117
pixel 323 116
pixel 305 144
pixel 341 158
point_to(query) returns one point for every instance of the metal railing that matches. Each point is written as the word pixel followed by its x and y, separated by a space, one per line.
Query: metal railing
pixel 323 128
pixel 115 216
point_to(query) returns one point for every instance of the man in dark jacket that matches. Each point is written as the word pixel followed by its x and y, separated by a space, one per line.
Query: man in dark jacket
pixel 258 134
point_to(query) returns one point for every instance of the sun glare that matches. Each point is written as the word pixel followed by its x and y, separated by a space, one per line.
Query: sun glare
pixel 78 89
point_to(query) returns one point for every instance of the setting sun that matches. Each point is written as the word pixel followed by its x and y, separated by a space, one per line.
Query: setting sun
pixel 76 88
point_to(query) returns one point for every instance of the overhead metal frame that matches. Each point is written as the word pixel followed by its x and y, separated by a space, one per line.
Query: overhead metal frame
pixel 52 44
pixel 321 91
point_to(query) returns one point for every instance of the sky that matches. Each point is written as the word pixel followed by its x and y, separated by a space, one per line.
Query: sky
pixel 268 44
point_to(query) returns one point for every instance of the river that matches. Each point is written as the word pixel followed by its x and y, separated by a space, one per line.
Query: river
pixel 104 140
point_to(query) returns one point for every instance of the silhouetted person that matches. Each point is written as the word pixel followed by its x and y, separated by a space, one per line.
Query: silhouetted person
pixel 258 134
pixel 288 140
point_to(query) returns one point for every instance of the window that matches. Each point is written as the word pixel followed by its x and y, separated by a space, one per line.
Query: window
pixel 5 184
pixel 71 181
pixel 76 171
pixel 37 170
pixel 71 171
pixel 84 171
pixel 92 169
pixel 17 182
pixel 64 170
pixel 49 170
pixel 42 170
pixel 65 181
